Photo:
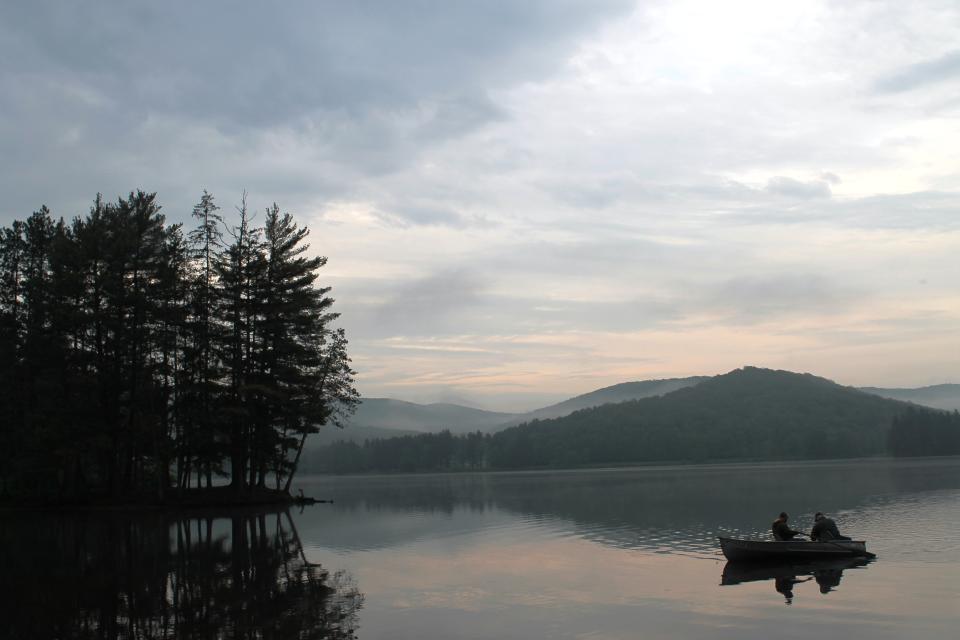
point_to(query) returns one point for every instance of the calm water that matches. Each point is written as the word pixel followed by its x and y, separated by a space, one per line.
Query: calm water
pixel 624 553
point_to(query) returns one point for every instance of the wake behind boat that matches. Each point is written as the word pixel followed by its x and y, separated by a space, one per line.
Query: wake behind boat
pixel 768 550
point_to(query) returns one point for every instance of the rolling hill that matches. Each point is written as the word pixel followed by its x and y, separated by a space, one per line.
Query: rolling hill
pixel 749 413
pixel 386 418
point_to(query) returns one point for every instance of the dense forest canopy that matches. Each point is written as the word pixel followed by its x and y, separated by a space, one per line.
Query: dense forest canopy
pixel 138 358
pixel 747 414
pixel 921 432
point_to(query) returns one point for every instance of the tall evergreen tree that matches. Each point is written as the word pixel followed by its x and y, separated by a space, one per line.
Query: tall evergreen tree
pixel 239 268
pixel 12 258
pixel 200 423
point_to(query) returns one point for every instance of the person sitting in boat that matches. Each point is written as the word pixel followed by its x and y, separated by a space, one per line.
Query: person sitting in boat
pixel 781 531
pixel 825 529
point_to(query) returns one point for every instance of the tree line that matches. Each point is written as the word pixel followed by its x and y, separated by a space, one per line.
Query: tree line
pixel 917 432
pixel 139 358
pixel 422 452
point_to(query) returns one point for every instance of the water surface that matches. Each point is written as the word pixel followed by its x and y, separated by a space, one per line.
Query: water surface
pixel 628 553
pixel 619 553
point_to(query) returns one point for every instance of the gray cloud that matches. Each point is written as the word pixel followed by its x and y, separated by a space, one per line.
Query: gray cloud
pixel 918 211
pixel 262 63
pixel 942 69
pixel 830 178
pixel 934 210
pixel 750 299
pixel 208 91
pixel 792 188
pixel 429 306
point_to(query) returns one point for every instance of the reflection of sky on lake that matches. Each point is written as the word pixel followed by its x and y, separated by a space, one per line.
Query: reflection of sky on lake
pixel 622 553
pixel 679 510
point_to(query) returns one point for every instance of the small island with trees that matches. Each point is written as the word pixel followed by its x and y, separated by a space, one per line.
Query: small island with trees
pixel 145 363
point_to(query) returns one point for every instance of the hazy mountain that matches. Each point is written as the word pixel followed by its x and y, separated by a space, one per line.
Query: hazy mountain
pixel 384 417
pixel 747 413
pixel 354 433
pixel 608 395
pixel 386 413
pixel 940 396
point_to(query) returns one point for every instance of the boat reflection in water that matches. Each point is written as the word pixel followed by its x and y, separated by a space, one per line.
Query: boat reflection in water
pixel 158 575
pixel 826 573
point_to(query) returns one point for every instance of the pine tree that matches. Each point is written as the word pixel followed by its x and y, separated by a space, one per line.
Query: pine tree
pixel 239 267
pixel 199 439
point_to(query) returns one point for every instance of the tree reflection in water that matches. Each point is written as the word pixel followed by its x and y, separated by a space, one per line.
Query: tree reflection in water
pixel 227 574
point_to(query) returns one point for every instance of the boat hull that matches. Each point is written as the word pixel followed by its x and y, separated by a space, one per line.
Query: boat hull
pixel 763 550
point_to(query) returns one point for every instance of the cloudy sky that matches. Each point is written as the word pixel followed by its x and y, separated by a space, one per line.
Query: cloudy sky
pixel 525 200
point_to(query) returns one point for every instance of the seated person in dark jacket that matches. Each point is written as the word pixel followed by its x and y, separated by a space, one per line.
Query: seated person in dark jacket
pixel 825 529
pixel 780 529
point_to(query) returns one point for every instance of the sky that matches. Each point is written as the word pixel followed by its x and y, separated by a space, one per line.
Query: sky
pixel 524 201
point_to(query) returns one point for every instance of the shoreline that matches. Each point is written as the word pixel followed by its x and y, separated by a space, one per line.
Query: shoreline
pixel 666 465
pixel 208 498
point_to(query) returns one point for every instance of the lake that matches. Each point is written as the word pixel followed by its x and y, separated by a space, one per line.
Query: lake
pixel 607 553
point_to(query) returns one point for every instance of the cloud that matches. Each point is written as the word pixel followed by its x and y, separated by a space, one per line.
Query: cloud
pixel 923 210
pixel 421 214
pixel 436 304
pixel 792 188
pixel 346 90
pixel 830 178
pixel 759 298
pixel 929 72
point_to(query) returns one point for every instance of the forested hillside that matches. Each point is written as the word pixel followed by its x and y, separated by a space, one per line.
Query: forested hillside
pixel 747 414
pixel 922 432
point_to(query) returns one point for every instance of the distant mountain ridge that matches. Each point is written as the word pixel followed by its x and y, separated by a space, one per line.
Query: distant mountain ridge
pixel 387 417
pixel 938 396
pixel 609 395
pixel 386 413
